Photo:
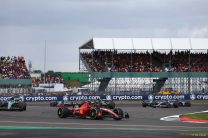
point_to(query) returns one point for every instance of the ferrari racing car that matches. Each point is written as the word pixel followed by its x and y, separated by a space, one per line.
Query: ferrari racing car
pixel 89 109
pixel 13 104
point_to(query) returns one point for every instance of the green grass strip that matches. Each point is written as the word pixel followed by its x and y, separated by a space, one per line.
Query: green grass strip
pixel 202 116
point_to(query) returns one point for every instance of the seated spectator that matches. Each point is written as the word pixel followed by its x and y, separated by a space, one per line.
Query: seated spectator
pixel 178 61
pixel 13 68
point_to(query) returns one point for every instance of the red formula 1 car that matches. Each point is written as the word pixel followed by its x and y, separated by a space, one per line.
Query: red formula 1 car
pixel 91 110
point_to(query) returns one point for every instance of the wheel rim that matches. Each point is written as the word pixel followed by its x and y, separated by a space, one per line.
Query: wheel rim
pixel 60 112
pixel 93 114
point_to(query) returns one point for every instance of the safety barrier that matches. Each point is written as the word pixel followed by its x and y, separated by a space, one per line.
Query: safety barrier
pixel 111 97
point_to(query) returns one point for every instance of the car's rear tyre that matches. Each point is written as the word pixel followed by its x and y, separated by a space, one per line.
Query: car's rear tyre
pixel 21 106
pixel 62 112
pixel 25 108
pixel 175 105
pixel 94 113
pixel 119 112
pixel 188 104
pixel 169 105
pixel 1 104
pixel 144 105
pixel 180 104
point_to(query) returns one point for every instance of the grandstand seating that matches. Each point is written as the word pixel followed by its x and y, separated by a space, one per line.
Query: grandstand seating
pixel 13 68
pixel 114 61
pixel 14 76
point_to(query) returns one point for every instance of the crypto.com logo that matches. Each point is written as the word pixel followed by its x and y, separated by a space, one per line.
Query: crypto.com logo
pixel 192 97
pixel 150 97
pixel 65 98
pixel 108 97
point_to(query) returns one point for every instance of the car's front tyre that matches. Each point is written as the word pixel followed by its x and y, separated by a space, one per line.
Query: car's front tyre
pixel 94 113
pixel 119 112
pixel 62 112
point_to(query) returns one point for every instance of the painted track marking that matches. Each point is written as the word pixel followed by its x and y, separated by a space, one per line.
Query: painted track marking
pixel 177 118
pixel 110 125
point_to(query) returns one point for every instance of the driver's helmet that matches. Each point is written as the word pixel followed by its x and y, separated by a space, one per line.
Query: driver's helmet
pixel 89 103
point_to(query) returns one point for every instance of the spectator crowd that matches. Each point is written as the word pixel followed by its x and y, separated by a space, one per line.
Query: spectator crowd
pixel 13 68
pixel 114 61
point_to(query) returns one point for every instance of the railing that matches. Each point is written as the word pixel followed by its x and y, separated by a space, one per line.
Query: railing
pixel 151 74
pixel 15 82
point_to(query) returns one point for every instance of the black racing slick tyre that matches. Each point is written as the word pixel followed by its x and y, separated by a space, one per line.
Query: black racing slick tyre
pixel 188 104
pixel 175 105
pixel 21 106
pixel 119 112
pixel 94 113
pixel 180 104
pixel 62 112
pixel 25 106
pixel 1 104
pixel 168 105
pixel 144 105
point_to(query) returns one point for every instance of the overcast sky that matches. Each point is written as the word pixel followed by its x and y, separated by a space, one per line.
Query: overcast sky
pixel 67 24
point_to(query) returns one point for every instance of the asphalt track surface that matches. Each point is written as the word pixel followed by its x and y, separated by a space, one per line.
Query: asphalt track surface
pixel 40 121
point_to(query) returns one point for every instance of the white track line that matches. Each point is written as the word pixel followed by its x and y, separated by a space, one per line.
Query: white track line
pixel 176 117
pixel 170 118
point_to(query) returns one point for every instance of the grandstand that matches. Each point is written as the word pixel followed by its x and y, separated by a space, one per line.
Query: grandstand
pixel 145 65
pixel 14 76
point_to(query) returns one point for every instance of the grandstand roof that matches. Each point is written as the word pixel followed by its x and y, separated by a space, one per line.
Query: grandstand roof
pixel 147 43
